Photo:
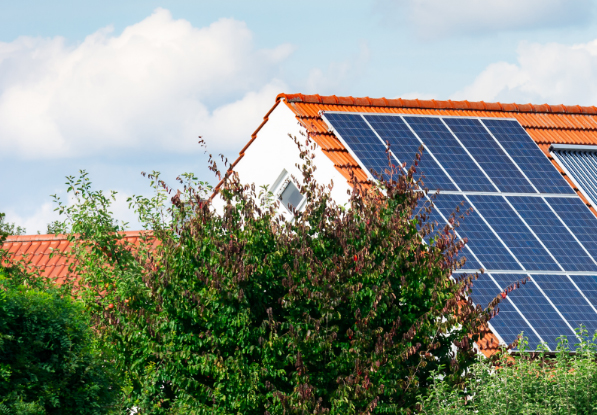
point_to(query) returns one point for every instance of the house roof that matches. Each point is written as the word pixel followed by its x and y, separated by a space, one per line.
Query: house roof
pixel 546 124
pixel 36 250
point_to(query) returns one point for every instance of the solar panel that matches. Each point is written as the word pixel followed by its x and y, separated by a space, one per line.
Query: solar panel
pixel 535 307
pixel 490 156
pixel 516 236
pixel 403 142
pixel 441 218
pixel 553 233
pixel 570 302
pixel 526 219
pixel 509 322
pixel 579 219
pixel 363 142
pixel 487 247
pixel 587 284
pixel 450 154
pixel 528 156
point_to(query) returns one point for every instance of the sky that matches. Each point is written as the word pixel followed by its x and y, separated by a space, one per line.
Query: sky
pixel 116 88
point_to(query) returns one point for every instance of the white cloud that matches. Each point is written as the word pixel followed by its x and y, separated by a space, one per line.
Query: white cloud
pixel 552 73
pixel 37 222
pixel 417 95
pixel 440 18
pixel 155 87
pixel 338 75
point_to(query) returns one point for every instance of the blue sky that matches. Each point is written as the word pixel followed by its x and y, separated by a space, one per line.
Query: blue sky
pixel 117 88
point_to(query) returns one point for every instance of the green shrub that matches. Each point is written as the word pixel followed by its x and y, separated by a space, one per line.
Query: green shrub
pixel 526 383
pixel 48 364
pixel 343 310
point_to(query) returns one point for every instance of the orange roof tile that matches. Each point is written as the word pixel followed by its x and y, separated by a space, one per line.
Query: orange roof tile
pixel 36 250
pixel 546 124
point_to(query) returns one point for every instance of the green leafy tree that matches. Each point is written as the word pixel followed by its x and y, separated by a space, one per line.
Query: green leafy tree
pixel 527 383
pixel 342 310
pixel 7 228
pixel 49 362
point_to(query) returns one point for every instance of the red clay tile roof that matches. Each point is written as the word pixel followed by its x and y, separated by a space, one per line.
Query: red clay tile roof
pixel 546 124
pixel 36 250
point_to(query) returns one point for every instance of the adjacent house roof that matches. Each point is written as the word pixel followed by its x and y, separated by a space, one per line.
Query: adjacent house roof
pixel 36 250
pixel 546 124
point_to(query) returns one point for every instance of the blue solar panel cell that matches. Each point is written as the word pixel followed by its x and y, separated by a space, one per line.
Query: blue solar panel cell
pixel 508 323
pixel 528 156
pixel 488 248
pixel 405 145
pixel 523 244
pixel 537 310
pixel 554 235
pixel 438 140
pixel 568 300
pixel 581 221
pixel 484 290
pixel 434 217
pixel 487 152
pixel 588 285
pixel 361 140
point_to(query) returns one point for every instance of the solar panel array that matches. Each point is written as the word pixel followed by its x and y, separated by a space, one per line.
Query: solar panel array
pixel 526 220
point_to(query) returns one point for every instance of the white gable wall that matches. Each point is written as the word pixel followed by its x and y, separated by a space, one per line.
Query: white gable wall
pixel 273 150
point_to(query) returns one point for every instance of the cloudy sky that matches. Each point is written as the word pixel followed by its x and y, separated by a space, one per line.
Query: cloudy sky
pixel 117 88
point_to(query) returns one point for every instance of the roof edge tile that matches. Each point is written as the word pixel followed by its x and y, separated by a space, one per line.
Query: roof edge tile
pixel 438 104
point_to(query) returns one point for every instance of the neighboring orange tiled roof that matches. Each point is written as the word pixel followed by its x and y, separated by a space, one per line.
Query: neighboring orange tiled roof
pixel 36 250
pixel 546 124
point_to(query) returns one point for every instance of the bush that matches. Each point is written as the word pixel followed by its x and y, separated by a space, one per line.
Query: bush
pixel 48 363
pixel 528 383
pixel 236 310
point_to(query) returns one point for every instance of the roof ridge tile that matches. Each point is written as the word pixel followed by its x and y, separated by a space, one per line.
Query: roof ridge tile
pixel 439 104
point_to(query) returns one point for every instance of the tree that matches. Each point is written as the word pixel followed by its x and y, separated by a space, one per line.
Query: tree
pixel 7 228
pixel 236 310
pixel 49 362
pixel 526 383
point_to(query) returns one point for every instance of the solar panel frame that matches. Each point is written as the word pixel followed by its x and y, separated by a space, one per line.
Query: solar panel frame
pixel 490 249
pixel 408 143
pixel 489 155
pixel 449 153
pixel 527 153
pixel 509 323
pixel 515 234
pixel 555 236
pixel 569 301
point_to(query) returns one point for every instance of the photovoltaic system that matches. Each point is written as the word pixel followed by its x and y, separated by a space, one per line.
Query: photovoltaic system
pixel 526 220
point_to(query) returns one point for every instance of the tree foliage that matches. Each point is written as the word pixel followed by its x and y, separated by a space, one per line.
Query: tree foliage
pixel 48 362
pixel 235 309
pixel 8 228
pixel 528 383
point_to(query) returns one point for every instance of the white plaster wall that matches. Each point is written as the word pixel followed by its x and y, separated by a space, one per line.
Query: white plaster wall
pixel 273 151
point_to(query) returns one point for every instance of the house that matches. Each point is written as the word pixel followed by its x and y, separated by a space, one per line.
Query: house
pixel 528 171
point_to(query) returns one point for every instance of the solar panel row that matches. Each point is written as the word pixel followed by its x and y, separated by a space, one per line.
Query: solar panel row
pixel 524 217
pixel 463 154
pixel 546 307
